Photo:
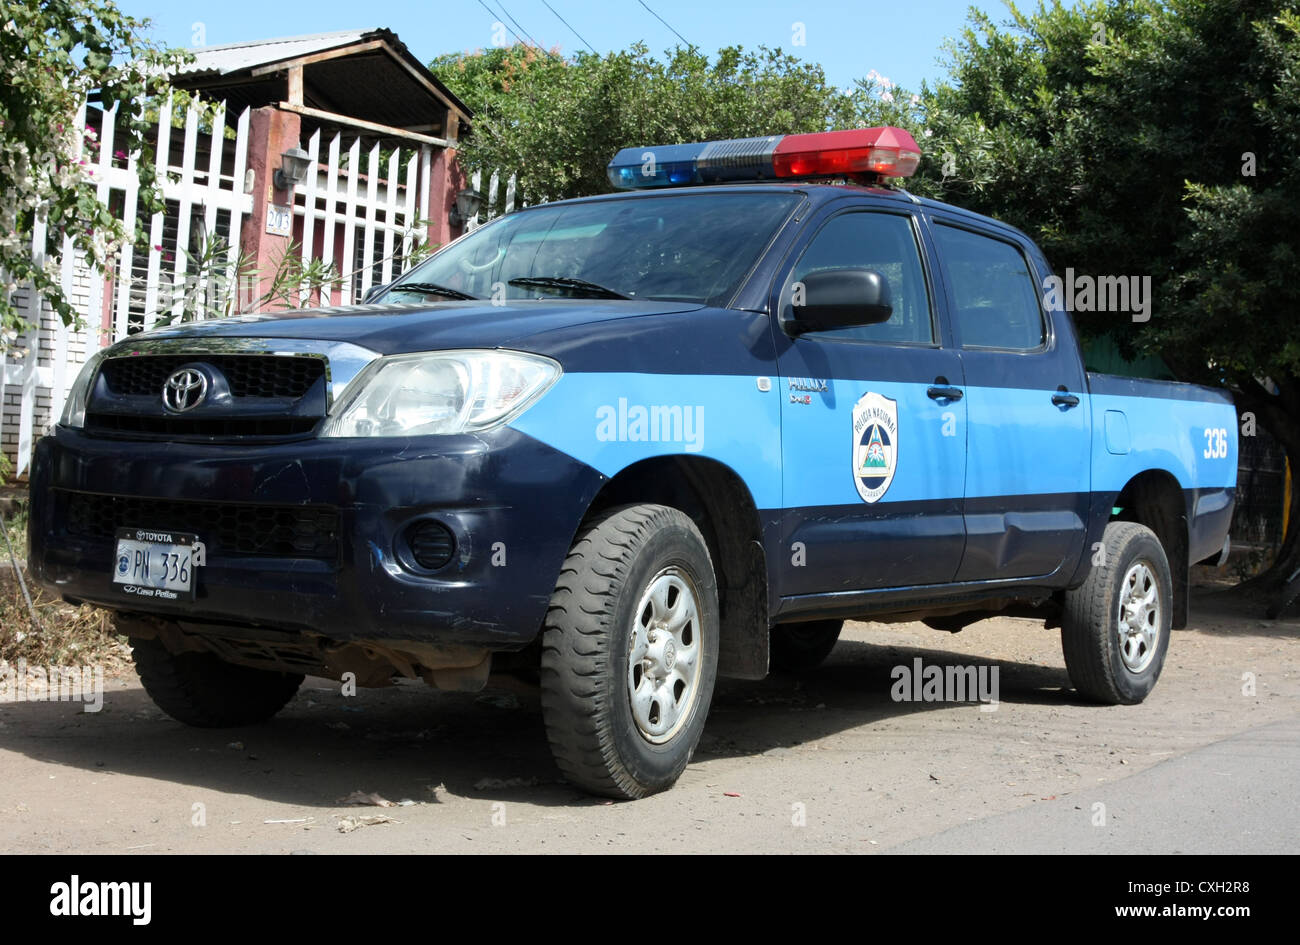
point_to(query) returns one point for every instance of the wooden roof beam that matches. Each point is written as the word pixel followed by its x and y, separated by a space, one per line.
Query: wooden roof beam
pixel 337 52
pixel 387 131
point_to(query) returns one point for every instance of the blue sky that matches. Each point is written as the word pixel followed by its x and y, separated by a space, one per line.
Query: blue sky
pixel 900 40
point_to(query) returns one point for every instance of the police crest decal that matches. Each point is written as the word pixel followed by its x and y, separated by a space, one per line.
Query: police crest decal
pixel 875 445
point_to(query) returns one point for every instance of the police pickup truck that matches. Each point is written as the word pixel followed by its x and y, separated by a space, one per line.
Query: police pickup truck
pixel 644 439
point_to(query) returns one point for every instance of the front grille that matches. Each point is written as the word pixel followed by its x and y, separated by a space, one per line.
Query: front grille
pixel 200 426
pixel 225 527
pixel 248 375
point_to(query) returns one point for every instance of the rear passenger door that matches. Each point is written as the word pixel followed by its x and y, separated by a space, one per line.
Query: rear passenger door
pixel 1028 474
pixel 873 453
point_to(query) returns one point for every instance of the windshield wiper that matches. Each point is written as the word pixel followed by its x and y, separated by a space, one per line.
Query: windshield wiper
pixel 564 282
pixel 432 288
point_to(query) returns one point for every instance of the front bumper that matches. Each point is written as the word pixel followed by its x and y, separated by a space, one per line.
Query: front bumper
pixel 512 503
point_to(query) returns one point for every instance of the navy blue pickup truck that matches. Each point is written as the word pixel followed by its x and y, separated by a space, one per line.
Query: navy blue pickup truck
pixel 644 440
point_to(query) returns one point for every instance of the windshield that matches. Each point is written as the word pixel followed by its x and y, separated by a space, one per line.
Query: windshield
pixel 681 247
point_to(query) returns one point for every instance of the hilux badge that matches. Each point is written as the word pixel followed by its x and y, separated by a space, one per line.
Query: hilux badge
pixel 185 390
pixel 875 445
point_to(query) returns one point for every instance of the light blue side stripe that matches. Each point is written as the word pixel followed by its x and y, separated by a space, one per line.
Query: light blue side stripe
pixel 1023 444
pixel 819 446
pixel 1170 435
pixel 595 419
pixel 1019 444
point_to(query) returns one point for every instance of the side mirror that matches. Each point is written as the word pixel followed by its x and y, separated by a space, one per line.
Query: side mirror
pixel 374 292
pixel 838 298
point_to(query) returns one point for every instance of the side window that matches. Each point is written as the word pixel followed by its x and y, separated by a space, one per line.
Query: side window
pixel 885 242
pixel 995 296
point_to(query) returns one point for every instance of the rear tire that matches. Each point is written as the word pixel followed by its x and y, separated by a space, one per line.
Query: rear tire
pixel 630 651
pixel 800 647
pixel 1115 629
pixel 201 690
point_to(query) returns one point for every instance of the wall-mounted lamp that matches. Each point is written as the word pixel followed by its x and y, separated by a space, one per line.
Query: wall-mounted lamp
pixel 468 202
pixel 293 168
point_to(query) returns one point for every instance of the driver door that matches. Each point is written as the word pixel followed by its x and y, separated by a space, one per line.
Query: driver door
pixel 873 425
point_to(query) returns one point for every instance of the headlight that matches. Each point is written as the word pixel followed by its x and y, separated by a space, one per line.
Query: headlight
pixel 74 408
pixel 441 392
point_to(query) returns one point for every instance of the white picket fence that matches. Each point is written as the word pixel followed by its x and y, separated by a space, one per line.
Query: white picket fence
pixel 494 202
pixel 366 220
pixel 372 221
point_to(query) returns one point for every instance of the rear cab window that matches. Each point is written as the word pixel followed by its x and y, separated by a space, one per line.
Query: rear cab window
pixel 995 299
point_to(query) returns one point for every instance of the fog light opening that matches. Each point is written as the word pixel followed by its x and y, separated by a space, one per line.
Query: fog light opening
pixel 432 544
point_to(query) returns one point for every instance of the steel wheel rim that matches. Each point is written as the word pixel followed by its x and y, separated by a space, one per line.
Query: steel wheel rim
pixel 665 656
pixel 1139 618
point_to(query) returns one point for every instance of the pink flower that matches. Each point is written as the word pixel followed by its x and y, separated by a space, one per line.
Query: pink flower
pixel 120 154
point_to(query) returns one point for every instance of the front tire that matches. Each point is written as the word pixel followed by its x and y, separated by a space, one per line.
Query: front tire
pixel 630 651
pixel 201 690
pixel 1115 629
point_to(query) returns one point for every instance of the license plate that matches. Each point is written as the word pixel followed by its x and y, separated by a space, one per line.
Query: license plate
pixel 156 564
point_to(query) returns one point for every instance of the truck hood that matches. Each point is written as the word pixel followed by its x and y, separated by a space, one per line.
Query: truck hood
pixel 396 329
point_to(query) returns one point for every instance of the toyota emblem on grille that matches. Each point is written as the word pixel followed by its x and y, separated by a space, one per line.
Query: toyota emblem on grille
pixel 185 390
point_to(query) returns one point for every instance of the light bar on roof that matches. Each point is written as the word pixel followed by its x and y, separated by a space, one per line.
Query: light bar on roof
pixel 854 152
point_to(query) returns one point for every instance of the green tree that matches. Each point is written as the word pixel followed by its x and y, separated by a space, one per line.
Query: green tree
pixel 53 53
pixel 1146 138
pixel 557 122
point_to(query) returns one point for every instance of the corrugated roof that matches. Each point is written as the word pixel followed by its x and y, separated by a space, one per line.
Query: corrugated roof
pixel 232 57
pixel 211 63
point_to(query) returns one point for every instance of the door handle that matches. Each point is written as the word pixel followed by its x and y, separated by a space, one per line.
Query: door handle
pixel 944 393
pixel 1063 398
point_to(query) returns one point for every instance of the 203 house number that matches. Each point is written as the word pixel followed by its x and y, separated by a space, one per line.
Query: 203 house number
pixel 1216 443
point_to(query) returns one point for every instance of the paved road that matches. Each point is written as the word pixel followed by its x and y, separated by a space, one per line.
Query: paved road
pixel 1235 796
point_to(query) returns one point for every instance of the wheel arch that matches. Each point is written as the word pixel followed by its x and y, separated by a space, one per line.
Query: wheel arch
pixel 722 507
pixel 1154 498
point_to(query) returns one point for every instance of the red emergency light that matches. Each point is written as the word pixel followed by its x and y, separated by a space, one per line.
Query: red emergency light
pixel 890 152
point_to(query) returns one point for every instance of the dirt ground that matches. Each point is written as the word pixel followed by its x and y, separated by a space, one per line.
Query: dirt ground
pixel 827 762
